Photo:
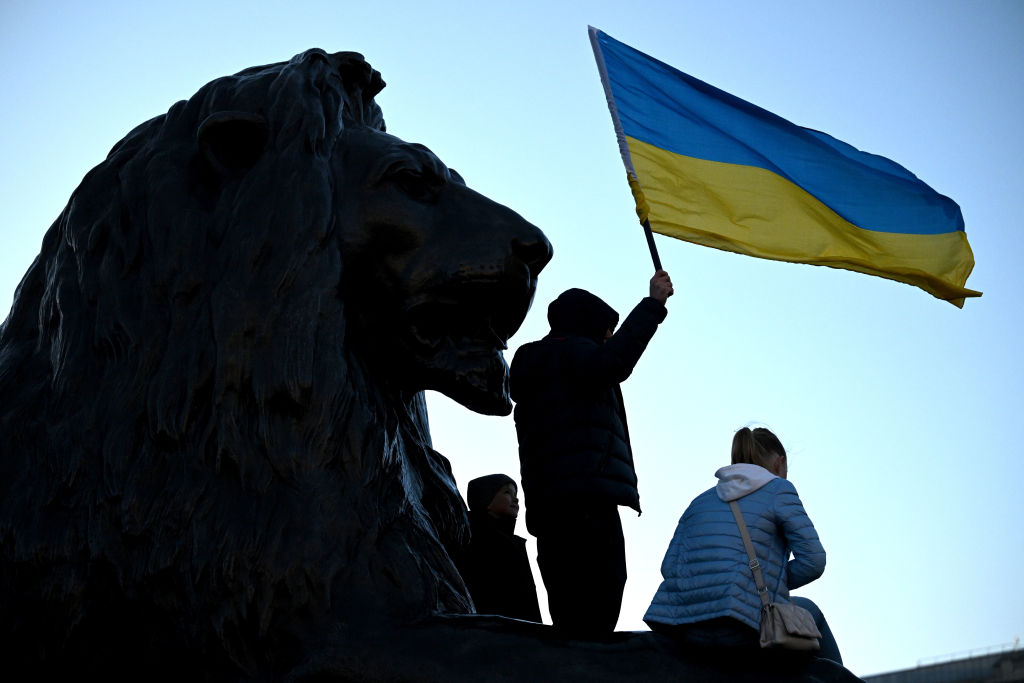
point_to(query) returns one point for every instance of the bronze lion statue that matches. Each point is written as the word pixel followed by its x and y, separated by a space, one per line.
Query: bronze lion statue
pixel 216 460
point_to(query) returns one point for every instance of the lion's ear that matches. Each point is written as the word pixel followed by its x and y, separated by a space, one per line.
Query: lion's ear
pixel 232 140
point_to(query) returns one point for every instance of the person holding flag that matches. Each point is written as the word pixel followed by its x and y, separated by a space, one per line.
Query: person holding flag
pixel 574 450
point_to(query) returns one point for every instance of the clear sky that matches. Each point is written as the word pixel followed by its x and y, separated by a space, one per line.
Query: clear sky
pixel 901 413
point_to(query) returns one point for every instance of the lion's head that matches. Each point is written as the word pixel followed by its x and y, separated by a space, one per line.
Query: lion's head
pixel 439 310
pixel 212 378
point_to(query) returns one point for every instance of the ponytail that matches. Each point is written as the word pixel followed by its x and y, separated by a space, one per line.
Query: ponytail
pixel 755 447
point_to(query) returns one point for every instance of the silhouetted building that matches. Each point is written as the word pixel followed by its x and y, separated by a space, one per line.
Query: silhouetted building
pixel 1005 665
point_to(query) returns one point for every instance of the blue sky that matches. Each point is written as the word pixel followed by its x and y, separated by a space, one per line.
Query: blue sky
pixel 901 413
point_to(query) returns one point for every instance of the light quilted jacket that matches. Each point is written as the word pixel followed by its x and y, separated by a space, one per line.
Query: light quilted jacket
pixel 706 572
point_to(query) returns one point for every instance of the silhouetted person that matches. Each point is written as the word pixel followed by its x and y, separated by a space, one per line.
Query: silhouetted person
pixel 577 463
pixel 494 565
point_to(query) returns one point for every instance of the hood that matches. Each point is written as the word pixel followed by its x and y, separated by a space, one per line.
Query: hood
pixel 481 491
pixel 736 481
pixel 577 311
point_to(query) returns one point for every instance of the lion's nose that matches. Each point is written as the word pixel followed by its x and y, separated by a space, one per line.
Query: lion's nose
pixel 533 250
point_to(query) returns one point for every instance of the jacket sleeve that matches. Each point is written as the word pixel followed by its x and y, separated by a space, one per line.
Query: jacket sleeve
pixel 808 561
pixel 614 360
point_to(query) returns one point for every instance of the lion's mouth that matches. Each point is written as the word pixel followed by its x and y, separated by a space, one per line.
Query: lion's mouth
pixel 459 341
pixel 485 315
pixel 436 325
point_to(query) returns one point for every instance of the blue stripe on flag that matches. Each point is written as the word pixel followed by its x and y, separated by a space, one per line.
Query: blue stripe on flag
pixel 669 109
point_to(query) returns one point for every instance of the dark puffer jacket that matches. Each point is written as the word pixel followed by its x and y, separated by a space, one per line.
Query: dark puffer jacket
pixel 494 565
pixel 496 569
pixel 571 423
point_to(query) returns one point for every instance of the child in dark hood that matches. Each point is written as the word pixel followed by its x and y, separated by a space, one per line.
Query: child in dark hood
pixel 494 564
pixel 575 452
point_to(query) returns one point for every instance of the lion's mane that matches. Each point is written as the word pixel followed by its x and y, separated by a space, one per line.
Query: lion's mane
pixel 196 468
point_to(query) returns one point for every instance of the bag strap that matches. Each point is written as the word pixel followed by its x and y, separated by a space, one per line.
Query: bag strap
pixel 755 566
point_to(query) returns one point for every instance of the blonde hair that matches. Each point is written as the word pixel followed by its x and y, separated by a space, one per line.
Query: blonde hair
pixel 756 447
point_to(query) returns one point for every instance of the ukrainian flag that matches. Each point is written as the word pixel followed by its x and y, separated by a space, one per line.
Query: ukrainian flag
pixel 710 168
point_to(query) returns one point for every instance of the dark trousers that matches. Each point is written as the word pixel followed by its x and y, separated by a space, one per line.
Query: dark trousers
pixel 582 559
pixel 726 633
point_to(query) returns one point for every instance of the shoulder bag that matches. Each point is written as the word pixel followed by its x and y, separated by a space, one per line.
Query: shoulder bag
pixel 783 625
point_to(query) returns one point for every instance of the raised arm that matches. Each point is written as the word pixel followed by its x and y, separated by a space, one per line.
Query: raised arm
pixel 614 360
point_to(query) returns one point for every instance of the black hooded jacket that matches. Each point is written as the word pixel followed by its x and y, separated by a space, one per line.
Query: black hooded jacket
pixel 571 423
pixel 494 565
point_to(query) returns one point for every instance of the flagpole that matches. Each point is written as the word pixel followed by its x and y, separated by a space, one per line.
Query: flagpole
pixel 643 212
pixel 651 245
pixel 634 184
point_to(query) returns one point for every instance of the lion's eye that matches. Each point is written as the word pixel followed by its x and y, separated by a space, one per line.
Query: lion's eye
pixel 416 184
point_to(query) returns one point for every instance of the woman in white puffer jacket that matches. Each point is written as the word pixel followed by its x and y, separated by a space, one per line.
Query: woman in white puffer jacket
pixel 708 597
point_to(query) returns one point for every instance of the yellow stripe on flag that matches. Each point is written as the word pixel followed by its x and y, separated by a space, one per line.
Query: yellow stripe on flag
pixel 752 211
